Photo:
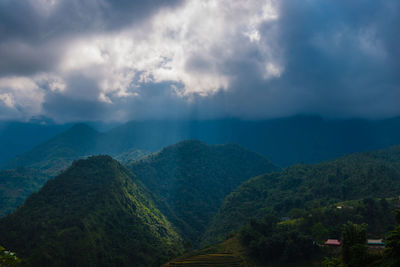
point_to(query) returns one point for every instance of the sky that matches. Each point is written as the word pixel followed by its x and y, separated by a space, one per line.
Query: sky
pixel 121 60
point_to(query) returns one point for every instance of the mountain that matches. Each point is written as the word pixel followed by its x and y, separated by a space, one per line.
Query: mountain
pixel 58 152
pixel 284 141
pixel 193 178
pixel 374 174
pixel 16 185
pixel 28 172
pixel 18 137
pixel 130 155
pixel 96 213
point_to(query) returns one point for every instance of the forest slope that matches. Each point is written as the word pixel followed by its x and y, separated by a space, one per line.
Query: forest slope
pixel 374 174
pixel 95 213
pixel 193 178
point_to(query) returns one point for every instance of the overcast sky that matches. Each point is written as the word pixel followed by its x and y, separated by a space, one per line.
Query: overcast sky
pixel 122 60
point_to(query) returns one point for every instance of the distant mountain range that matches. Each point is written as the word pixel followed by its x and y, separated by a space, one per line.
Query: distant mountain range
pixel 59 152
pixel 18 137
pixel 301 139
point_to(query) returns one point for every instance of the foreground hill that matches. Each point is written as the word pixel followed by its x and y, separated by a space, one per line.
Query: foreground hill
pixel 16 185
pixel 356 176
pixel 193 178
pixel 95 213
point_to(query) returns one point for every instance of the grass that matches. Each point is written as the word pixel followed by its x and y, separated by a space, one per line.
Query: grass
pixel 217 259
pixel 228 253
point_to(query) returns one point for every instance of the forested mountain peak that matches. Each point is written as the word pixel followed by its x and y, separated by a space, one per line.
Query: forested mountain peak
pixel 93 214
pixel 193 178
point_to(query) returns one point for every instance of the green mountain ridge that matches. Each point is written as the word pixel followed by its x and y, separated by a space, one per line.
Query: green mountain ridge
pixel 49 159
pixel 355 176
pixel 193 178
pixel 96 213
pixel 285 141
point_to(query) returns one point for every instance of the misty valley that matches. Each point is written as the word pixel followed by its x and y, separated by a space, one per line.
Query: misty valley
pixel 152 194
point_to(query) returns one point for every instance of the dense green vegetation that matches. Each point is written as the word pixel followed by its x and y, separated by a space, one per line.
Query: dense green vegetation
pixel 96 213
pixel 99 213
pixel 355 252
pixel 34 167
pixel 299 240
pixel 270 242
pixel 193 178
pixel 16 185
pixel 392 255
pixel 359 175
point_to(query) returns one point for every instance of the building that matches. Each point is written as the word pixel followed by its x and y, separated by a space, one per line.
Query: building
pixel 333 242
pixel 375 243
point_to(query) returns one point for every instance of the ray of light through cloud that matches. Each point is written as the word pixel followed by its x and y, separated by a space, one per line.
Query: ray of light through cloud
pixel 123 60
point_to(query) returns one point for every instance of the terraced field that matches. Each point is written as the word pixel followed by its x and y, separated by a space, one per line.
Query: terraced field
pixel 214 259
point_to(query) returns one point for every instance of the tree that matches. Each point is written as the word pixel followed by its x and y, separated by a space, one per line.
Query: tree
pixel 332 262
pixel 319 232
pixel 354 248
pixel 393 246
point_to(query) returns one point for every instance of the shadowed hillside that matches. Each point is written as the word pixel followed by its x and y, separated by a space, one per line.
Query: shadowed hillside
pixel 193 178
pixel 94 214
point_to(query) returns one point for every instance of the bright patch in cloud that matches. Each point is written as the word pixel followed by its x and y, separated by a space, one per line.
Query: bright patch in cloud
pixel 22 94
pixel 188 46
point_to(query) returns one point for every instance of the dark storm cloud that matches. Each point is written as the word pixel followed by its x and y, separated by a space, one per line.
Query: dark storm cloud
pixel 33 33
pixel 78 103
pixel 332 58
pixel 64 108
pixel 43 19
pixel 340 59
pixel 24 59
pixel 338 53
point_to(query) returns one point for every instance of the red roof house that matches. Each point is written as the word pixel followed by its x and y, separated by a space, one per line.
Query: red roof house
pixel 333 242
